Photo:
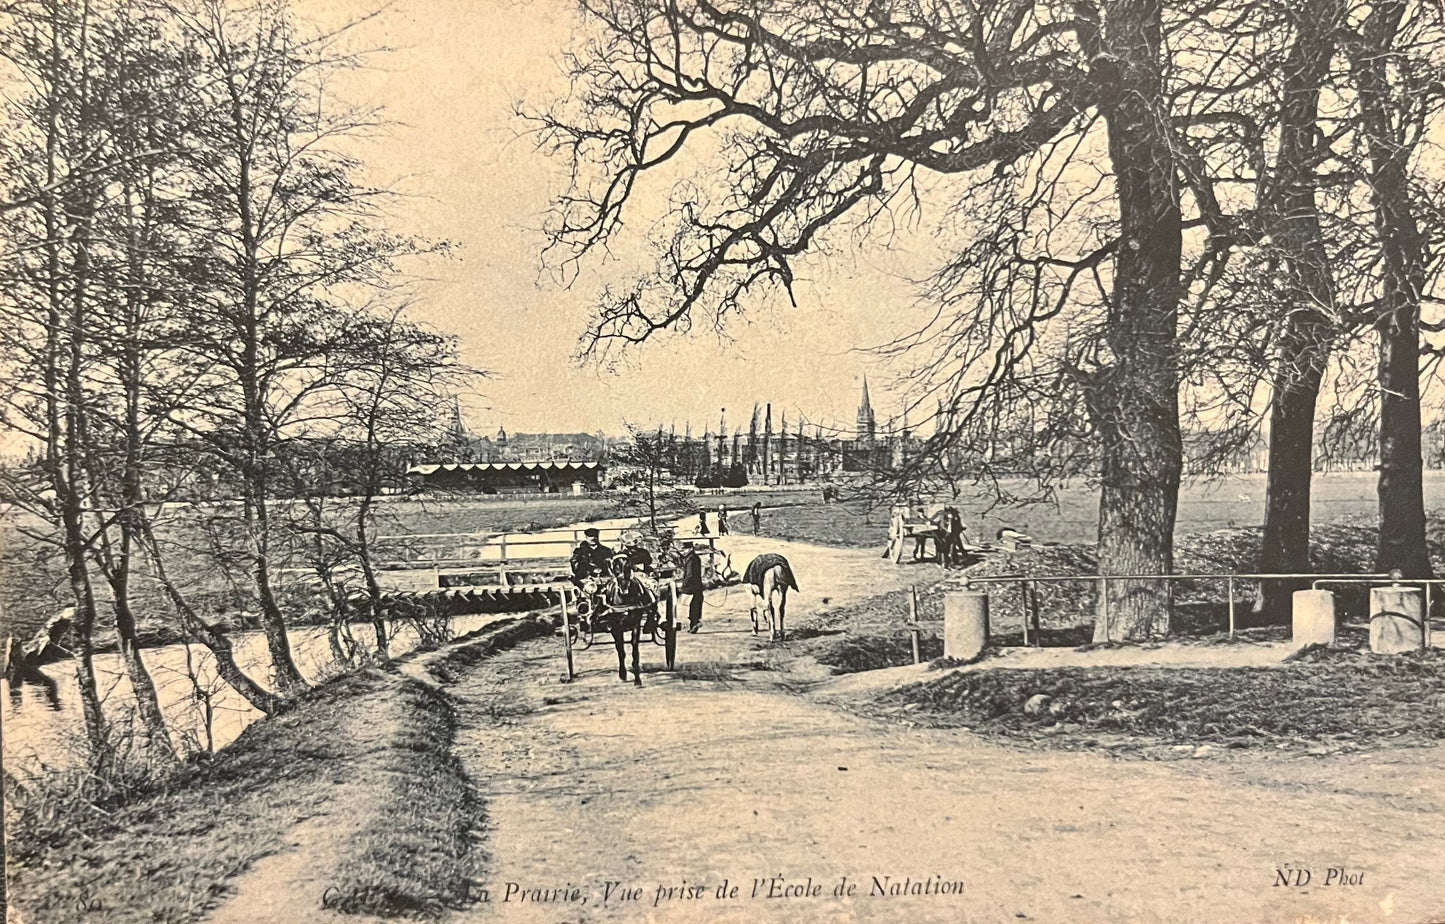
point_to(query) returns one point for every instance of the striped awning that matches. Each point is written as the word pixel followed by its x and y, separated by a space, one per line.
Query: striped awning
pixel 431 468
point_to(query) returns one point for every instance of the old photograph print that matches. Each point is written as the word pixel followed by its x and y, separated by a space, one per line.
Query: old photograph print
pixel 608 461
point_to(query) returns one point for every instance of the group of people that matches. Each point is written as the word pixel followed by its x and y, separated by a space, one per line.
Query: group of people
pixel 756 512
pixel 627 575
pixel 949 523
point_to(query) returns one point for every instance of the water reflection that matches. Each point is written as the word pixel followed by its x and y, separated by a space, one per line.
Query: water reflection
pixel 43 722
pixel 34 677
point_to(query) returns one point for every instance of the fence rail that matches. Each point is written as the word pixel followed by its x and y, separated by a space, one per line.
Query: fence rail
pixel 1228 577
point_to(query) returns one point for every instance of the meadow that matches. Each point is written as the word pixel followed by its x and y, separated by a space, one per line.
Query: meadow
pixel 32 581
pixel 1070 515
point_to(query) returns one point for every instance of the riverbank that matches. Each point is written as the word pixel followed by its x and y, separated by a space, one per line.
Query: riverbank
pixel 350 801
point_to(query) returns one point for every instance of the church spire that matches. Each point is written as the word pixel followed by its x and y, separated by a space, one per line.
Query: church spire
pixel 867 424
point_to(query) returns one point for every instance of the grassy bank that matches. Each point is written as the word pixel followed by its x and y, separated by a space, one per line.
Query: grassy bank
pixel 364 759
pixel 1323 702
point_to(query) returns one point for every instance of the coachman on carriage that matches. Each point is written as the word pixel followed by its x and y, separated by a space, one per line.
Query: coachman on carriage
pixel 632 592
pixel 623 597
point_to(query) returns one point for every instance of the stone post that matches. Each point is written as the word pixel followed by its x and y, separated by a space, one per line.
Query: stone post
pixel 965 624
pixel 1313 618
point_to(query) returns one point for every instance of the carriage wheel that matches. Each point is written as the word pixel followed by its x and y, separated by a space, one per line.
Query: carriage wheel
pixel 670 631
pixel 659 630
pixel 582 636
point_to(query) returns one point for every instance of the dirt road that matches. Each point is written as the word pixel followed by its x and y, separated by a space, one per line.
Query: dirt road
pixel 611 803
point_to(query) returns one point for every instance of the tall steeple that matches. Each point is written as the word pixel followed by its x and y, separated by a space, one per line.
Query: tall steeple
pixel 867 425
pixel 458 429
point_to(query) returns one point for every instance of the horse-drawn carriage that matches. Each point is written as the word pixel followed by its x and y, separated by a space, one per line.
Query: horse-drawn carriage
pixel 593 612
pixel 628 616
pixel 627 609
pixel 912 524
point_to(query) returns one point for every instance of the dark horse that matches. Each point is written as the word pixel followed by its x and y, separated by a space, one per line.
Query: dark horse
pixel 625 605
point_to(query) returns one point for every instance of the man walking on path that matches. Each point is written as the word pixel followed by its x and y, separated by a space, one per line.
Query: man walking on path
pixel 757 513
pixel 722 520
pixel 690 586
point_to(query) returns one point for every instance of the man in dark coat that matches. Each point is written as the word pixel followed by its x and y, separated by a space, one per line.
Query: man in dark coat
pixel 690 586
pixel 590 558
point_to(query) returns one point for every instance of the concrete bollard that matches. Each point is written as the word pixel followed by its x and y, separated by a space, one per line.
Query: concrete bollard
pixel 1397 618
pixel 1313 617
pixel 965 624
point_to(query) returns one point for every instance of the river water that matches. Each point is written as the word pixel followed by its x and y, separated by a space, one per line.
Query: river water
pixel 42 726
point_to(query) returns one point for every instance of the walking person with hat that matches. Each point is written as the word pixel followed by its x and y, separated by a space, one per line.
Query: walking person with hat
pixel 690 586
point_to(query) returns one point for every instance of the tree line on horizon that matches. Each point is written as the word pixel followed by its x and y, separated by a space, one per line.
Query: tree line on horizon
pixel 1213 213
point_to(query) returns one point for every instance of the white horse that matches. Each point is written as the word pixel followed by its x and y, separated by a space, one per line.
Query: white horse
pixel 774 587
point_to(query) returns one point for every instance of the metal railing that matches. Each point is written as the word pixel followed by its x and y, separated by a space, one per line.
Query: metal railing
pixel 576 533
pixel 1229 578
pixel 500 541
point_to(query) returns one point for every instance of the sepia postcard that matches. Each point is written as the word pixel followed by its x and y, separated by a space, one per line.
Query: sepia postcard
pixel 561 461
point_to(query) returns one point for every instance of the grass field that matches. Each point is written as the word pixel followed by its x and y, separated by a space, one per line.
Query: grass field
pixel 32 581
pixel 1072 515
pixel 33 585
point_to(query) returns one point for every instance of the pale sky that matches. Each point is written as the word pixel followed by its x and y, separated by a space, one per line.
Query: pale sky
pixel 456 71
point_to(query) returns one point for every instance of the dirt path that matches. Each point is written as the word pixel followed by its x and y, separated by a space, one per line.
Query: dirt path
pixel 718 772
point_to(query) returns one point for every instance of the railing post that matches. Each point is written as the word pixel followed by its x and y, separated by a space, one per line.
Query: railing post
pixel 1231 607
pixel 913 619
pixel 1034 613
pixel 1104 604
pixel 1024 611
pixel 1425 623
pixel 504 546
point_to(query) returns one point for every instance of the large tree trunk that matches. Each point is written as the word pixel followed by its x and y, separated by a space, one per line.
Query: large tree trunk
pixel 1135 401
pixel 1304 348
pixel 1285 548
pixel 1401 487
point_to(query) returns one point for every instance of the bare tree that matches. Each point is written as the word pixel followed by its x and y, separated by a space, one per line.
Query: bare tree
pixel 393 380
pixel 834 113
pixel 292 232
pixel 51 282
pixel 651 454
